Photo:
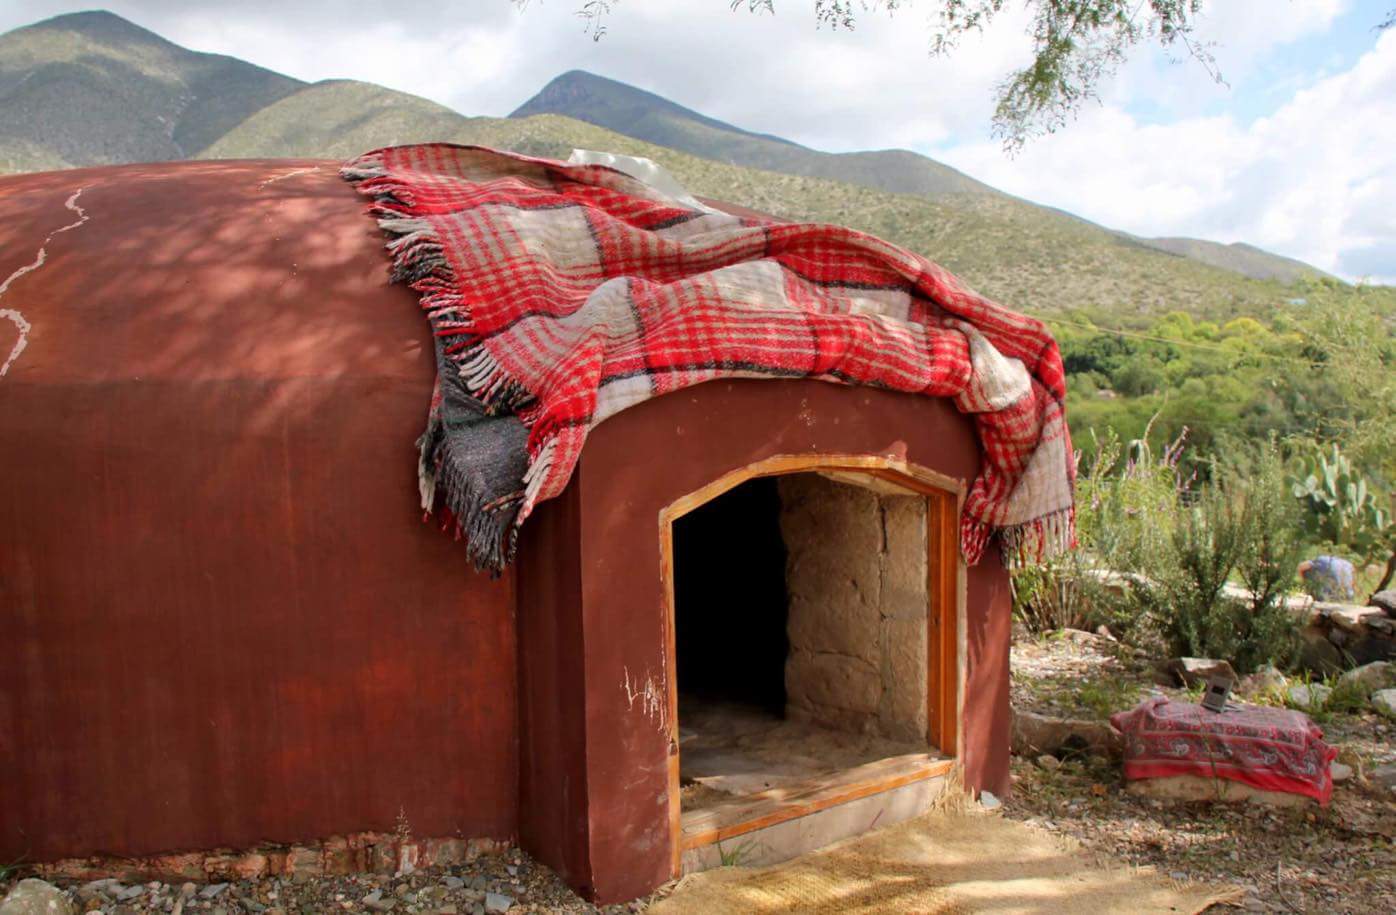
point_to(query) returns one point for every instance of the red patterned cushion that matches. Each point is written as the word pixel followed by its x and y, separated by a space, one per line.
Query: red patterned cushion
pixel 1272 749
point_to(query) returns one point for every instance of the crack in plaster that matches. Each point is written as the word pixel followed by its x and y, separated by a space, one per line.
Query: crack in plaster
pixel 13 314
pixel 291 174
pixel 649 695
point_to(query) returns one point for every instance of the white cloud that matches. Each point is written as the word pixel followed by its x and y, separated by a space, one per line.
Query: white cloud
pixel 1314 180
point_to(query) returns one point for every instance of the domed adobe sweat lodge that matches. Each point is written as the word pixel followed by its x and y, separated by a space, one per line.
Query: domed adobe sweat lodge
pixel 607 611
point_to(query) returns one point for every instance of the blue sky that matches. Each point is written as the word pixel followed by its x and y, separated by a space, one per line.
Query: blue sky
pixel 1296 155
pixel 1271 79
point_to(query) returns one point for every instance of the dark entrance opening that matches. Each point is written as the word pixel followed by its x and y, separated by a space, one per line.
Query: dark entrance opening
pixel 802 610
pixel 730 601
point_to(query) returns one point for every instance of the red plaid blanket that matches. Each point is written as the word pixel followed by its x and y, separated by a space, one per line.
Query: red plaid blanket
pixel 1272 749
pixel 563 293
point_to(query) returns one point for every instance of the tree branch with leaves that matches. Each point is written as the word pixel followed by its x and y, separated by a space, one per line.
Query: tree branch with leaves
pixel 1077 44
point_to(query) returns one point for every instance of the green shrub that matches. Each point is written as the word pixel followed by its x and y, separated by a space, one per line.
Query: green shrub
pixel 1241 525
pixel 1268 565
pixel 1122 510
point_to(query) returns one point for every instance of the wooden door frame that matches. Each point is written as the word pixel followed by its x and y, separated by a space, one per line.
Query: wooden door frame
pixel 945 591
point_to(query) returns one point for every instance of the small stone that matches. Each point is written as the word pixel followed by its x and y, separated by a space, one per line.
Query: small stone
pixel 1178 875
pixel 988 801
pixel 212 890
pixel 372 897
pixel 1309 695
pixel 511 869
pixel 1340 772
pixel 497 903
pixel 1048 762
pixel 37 897
pixel 453 882
pixel 99 888
pixel 131 892
pixel 1369 678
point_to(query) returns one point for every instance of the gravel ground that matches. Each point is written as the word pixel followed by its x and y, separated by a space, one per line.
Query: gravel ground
pixel 509 882
pixel 1312 860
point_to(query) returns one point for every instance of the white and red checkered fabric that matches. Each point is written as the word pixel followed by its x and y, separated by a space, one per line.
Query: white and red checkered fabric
pixel 565 293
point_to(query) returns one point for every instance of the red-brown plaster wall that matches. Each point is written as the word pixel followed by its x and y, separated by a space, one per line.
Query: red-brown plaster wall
pixel 223 620
pixel 552 723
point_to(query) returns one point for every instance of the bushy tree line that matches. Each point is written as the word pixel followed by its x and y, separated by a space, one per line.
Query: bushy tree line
pixel 1291 374
pixel 1283 444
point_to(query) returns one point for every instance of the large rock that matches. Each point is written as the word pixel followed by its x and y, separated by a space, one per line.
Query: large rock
pixel 1386 600
pixel 1267 679
pixel 1365 634
pixel 1035 734
pixel 1309 696
pixel 37 897
pixel 1192 671
pixel 1354 619
pixel 1369 678
pixel 1317 654
pixel 1384 702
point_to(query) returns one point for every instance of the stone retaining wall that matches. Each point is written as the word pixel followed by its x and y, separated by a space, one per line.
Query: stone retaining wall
pixel 1335 636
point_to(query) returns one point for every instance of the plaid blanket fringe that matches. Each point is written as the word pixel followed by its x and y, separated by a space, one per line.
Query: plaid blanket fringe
pixel 1023 496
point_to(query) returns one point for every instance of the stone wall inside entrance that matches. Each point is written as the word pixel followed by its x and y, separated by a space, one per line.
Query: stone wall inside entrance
pixel 856 573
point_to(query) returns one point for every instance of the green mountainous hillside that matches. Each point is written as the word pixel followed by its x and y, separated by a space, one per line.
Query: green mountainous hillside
pixel 646 116
pixel 1237 256
pixel 92 88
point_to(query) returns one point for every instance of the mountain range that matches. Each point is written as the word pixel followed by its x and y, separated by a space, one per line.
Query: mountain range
pixel 92 88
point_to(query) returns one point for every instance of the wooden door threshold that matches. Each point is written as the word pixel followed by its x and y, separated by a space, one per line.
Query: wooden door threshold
pixel 778 805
